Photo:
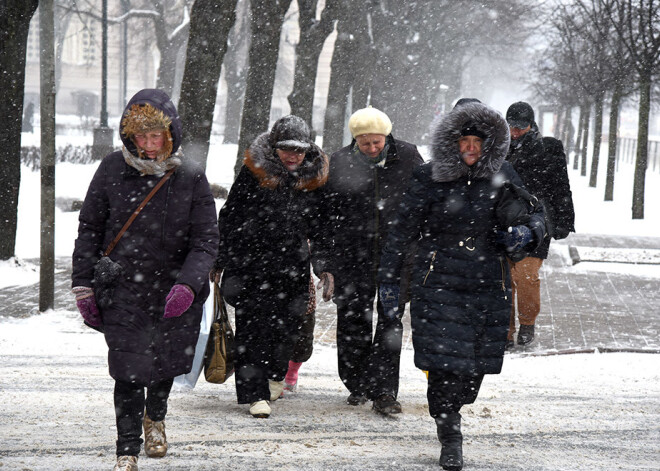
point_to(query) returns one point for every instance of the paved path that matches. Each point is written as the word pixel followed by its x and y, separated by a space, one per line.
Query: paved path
pixel 582 309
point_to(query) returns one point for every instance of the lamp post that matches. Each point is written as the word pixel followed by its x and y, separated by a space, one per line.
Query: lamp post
pixel 103 144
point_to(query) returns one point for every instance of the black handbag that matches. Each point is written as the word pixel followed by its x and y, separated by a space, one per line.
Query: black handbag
pixel 516 207
pixel 219 356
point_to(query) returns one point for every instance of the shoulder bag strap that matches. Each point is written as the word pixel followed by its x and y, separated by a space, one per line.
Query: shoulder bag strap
pixel 137 211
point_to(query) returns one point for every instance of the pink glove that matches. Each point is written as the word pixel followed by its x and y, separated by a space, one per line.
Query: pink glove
pixel 86 304
pixel 178 301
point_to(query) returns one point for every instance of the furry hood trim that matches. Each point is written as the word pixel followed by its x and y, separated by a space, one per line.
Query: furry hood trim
pixel 262 161
pixel 160 111
pixel 446 162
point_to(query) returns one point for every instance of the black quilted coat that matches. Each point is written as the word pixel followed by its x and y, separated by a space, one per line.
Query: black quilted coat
pixel 460 284
pixel 173 240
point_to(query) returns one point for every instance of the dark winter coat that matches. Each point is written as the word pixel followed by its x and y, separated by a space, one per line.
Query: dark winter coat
pixel 364 200
pixel 460 284
pixel 266 222
pixel 173 240
pixel 541 164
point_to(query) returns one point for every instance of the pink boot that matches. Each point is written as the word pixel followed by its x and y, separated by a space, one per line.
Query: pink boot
pixel 291 378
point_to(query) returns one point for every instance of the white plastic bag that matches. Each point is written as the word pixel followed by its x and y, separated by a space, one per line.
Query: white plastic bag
pixel 186 382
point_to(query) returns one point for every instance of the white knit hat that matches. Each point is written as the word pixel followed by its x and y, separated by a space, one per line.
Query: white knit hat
pixel 369 121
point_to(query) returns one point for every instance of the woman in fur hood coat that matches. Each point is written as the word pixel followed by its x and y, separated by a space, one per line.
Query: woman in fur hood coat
pixel 271 213
pixel 460 209
pixel 151 315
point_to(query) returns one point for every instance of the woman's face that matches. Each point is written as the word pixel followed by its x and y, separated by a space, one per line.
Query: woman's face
pixel 371 145
pixel 470 149
pixel 291 158
pixel 151 142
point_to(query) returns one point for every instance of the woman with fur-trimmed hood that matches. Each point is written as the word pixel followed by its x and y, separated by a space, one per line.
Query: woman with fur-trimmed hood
pixel 151 315
pixel 466 220
pixel 271 212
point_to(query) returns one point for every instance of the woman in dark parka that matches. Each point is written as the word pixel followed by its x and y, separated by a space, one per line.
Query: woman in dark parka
pixel 271 212
pixel 458 207
pixel 151 320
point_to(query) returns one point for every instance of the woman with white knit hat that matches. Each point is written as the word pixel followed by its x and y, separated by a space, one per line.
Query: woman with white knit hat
pixel 367 180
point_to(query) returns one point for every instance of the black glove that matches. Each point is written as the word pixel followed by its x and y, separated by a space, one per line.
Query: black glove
pixel 515 238
pixel 389 298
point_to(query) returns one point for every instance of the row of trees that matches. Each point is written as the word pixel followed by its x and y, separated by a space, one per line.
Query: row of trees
pixel 385 50
pixel 602 51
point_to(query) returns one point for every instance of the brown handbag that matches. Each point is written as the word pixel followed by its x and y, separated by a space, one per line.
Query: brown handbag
pixel 219 356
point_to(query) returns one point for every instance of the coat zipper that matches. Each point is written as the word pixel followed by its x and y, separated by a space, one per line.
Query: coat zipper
pixel 430 267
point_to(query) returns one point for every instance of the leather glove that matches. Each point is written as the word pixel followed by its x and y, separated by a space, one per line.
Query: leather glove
pixel 178 300
pixel 560 233
pixel 327 282
pixel 389 298
pixel 86 303
pixel 515 238
pixel 215 274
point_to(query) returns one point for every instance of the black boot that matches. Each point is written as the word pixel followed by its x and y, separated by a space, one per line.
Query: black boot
pixel 449 434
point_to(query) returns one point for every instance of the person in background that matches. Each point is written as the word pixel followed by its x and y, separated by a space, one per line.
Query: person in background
pixel 459 208
pixel 151 319
pixel 367 181
pixel 268 226
pixel 541 164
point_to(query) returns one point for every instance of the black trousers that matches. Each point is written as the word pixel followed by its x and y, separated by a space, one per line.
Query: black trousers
pixel 448 392
pixel 304 347
pixel 267 328
pixel 130 404
pixel 368 364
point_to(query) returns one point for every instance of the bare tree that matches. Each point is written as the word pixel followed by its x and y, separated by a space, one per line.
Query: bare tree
pixel 640 34
pixel 313 34
pixel 209 29
pixel 266 24
pixel 15 16
pixel 235 67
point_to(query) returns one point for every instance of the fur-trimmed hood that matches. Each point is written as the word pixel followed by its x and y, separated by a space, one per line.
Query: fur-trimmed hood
pixel 446 162
pixel 266 166
pixel 161 102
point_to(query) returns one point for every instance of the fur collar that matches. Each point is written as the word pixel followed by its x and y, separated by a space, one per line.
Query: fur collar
pixel 446 162
pixel 262 161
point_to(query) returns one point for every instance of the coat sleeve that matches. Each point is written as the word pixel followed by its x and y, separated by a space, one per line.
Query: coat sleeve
pixel 406 228
pixel 203 241
pixel 229 219
pixel 321 234
pixel 91 229
pixel 562 213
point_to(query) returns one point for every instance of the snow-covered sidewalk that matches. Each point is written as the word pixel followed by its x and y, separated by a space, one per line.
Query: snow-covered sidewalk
pixel 565 412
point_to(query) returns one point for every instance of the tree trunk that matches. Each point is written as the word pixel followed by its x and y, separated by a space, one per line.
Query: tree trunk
pixel 47 82
pixel 567 136
pixel 578 139
pixel 585 140
pixel 612 141
pixel 598 135
pixel 642 147
pixel 313 34
pixel 169 46
pixel 266 24
pixel 199 87
pixel 14 26
pixel 235 65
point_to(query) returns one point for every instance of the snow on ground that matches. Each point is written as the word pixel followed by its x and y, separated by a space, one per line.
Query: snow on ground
pixel 586 412
pixel 565 412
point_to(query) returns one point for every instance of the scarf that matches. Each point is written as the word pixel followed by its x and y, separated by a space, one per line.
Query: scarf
pixel 150 166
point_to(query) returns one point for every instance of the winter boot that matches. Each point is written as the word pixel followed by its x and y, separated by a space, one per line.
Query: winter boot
pixel 525 334
pixel 291 378
pixel 155 441
pixel 260 409
pixel 126 463
pixel 449 434
pixel 356 399
pixel 276 388
pixel 386 404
